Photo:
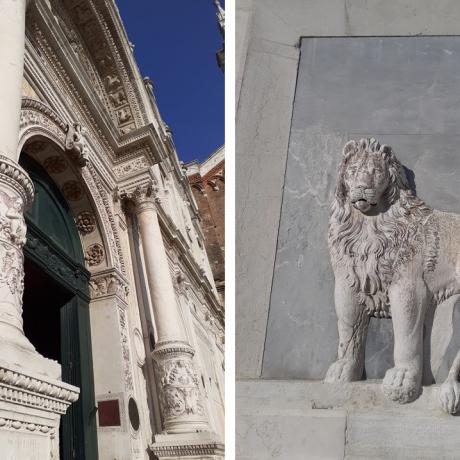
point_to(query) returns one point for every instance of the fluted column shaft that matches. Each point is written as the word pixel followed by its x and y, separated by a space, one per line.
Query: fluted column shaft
pixel 12 43
pixel 181 401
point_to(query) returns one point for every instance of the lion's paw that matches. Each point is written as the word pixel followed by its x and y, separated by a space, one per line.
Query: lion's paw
pixel 401 384
pixel 449 396
pixel 342 371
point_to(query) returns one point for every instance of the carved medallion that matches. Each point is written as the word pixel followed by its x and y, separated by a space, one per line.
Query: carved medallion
pixel 86 222
pixel 35 147
pixel 94 254
pixel 55 164
pixel 72 190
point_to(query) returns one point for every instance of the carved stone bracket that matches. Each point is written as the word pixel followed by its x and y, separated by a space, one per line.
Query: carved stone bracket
pixel 180 397
pixel 76 145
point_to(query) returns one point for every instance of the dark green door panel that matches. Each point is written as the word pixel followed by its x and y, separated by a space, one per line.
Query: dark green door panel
pixel 53 251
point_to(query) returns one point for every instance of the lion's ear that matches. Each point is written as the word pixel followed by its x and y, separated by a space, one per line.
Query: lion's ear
pixel 350 147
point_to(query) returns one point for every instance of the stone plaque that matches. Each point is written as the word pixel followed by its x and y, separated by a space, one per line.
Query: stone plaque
pixel 24 445
pixel 109 412
pixel 403 91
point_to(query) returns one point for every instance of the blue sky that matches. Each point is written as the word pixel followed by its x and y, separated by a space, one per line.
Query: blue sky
pixel 175 45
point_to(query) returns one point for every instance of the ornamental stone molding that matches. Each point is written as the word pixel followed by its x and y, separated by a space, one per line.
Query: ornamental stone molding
pixel 392 256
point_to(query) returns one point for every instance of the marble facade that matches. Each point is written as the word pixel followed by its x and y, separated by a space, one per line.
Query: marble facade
pixel 73 100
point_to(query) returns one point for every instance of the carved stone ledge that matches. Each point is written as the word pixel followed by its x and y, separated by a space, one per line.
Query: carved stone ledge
pixel 214 449
pixel 25 389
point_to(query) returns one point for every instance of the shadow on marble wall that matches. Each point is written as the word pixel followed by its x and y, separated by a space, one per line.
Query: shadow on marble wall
pixel 405 92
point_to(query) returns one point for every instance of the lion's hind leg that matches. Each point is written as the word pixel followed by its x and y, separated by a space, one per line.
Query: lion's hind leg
pixel 449 392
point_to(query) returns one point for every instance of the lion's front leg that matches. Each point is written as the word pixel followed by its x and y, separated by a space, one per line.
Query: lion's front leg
pixel 353 323
pixel 403 382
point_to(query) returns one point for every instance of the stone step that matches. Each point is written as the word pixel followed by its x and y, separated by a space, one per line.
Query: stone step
pixel 305 420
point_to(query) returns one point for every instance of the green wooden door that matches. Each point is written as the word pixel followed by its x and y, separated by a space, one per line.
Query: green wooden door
pixel 53 248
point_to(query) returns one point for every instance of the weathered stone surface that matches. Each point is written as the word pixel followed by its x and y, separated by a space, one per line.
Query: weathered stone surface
pixel 315 420
pixel 376 73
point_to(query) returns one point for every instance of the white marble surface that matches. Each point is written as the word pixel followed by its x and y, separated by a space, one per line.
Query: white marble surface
pixel 313 420
pixel 264 111
pixel 401 91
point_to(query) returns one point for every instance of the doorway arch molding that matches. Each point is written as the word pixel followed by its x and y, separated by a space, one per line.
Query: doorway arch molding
pixel 40 124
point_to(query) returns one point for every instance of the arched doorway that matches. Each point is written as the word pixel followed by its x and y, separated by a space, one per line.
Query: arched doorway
pixel 56 306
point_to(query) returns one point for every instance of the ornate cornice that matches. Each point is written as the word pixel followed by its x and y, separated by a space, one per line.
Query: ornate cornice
pixel 19 387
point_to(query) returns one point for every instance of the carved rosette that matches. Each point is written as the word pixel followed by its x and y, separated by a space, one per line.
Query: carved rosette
pixel 180 396
pixel 16 193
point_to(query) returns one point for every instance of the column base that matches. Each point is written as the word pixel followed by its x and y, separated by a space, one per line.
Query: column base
pixel 30 410
pixel 190 446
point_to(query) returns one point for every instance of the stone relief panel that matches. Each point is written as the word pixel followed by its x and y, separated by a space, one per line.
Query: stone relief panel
pixel 337 101
pixel 180 390
pixel 393 256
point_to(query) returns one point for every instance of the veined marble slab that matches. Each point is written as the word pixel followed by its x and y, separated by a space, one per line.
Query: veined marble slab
pixel 405 92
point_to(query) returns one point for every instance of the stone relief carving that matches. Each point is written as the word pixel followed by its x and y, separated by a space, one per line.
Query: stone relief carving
pixel 180 391
pixel 55 164
pixel 94 255
pixel 108 284
pixel 75 143
pixel 392 256
pixel 86 222
pixel 125 348
pixel 72 190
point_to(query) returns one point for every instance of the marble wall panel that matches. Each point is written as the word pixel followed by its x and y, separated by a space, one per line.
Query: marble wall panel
pixel 405 92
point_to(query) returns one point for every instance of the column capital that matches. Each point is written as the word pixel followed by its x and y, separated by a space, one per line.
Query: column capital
pixel 143 196
pixel 15 177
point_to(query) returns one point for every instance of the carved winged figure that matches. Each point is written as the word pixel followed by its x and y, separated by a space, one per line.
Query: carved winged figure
pixel 393 257
pixel 76 143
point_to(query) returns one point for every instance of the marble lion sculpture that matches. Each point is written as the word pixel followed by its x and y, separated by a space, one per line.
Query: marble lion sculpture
pixel 392 256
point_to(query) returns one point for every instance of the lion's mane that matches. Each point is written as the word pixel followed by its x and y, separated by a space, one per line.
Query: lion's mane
pixel 371 249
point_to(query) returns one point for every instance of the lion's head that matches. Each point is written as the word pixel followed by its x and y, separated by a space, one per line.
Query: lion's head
pixel 370 176
pixel 376 221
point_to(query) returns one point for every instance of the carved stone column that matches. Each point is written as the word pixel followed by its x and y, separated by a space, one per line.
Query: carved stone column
pixel 180 397
pixel 16 193
pixel 12 42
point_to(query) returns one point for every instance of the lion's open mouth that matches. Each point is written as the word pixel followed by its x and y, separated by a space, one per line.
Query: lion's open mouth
pixel 363 205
